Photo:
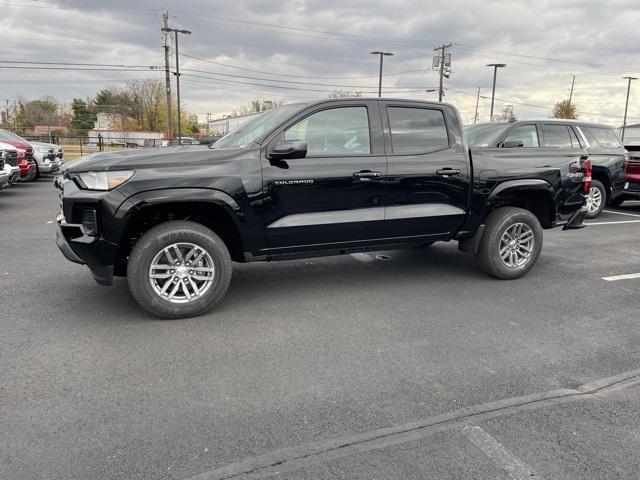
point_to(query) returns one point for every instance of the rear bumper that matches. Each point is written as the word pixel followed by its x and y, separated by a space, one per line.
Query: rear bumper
pixel 576 220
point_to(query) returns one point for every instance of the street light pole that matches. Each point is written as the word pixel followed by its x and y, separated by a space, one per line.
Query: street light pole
pixel 382 54
pixel 626 105
pixel 177 74
pixel 493 92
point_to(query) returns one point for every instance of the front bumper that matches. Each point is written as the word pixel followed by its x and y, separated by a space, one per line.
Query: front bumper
pixel 631 191
pixel 78 247
pixel 49 167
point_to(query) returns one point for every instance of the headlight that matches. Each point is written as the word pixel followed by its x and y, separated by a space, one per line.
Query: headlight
pixel 104 180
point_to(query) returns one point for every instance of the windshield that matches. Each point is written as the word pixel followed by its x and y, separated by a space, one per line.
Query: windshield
pixel 254 129
pixel 485 135
pixel 11 137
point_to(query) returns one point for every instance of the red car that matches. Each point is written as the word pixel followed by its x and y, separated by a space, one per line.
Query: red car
pixel 632 187
pixel 26 163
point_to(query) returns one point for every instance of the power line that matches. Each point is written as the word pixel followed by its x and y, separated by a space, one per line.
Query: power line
pixel 422 70
pixel 151 67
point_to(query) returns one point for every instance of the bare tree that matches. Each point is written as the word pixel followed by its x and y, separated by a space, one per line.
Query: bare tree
pixel 344 94
pixel 507 115
pixel 564 109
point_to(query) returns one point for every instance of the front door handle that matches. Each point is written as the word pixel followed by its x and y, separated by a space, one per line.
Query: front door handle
pixel 366 174
pixel 445 172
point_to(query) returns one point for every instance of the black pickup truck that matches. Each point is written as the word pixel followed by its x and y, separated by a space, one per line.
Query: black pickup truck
pixel 324 178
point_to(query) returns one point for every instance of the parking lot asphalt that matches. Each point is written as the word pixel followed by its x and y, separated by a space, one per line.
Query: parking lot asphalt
pixel 405 364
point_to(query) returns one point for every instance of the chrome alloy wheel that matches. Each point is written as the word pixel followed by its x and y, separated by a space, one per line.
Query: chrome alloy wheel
pixel 516 245
pixel 181 273
pixel 594 199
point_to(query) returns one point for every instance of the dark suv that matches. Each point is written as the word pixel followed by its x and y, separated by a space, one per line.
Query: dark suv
pixel 534 138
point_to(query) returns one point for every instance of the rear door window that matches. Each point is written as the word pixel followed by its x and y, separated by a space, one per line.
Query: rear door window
pixel 605 137
pixel 556 136
pixel 527 134
pixel 417 130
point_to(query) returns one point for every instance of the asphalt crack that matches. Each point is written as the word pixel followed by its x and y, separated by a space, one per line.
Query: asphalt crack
pixel 294 458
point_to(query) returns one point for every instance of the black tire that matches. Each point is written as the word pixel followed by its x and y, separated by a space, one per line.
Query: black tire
pixel 29 178
pixel 498 222
pixel 153 242
pixel 616 202
pixel 37 172
pixel 597 185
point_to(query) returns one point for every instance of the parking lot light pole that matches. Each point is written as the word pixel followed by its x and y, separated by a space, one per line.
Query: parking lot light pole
pixel 382 55
pixel 177 74
pixel 495 66
pixel 626 105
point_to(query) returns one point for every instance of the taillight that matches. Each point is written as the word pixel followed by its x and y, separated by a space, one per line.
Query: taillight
pixel 586 182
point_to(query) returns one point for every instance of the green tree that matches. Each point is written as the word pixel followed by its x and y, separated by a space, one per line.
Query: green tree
pixel 83 119
pixel 564 109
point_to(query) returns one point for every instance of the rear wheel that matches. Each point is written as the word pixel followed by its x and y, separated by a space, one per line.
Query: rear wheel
pixel 511 243
pixel 179 269
pixel 596 199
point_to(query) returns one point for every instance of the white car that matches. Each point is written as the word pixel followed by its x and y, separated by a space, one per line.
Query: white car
pixel 46 157
pixel 10 156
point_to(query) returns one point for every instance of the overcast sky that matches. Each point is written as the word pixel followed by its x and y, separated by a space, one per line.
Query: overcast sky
pixel 314 46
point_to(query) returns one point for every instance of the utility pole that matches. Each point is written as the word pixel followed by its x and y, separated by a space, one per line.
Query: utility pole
pixel 441 61
pixel 626 105
pixel 208 122
pixel 475 117
pixel 177 74
pixel 571 94
pixel 495 66
pixel 382 55
pixel 165 18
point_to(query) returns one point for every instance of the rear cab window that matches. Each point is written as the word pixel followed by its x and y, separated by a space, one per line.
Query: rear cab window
pixel 602 136
pixel 558 136
pixel 416 130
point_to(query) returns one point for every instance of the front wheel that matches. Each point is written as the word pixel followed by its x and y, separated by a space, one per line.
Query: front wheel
pixel 179 269
pixel 596 199
pixel 511 243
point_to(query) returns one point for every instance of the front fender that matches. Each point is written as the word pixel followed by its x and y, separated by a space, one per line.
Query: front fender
pixel 177 195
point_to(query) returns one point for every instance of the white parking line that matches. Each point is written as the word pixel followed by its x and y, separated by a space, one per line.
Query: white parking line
pixel 622 213
pixel 613 223
pixel 516 468
pixel 628 276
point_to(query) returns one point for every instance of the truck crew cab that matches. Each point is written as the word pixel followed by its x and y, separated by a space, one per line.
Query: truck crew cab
pixel 304 180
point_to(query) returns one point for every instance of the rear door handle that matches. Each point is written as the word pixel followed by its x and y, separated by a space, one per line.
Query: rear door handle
pixel 445 172
pixel 366 174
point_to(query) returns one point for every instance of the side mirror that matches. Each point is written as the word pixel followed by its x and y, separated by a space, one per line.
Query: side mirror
pixel 288 149
pixel 513 144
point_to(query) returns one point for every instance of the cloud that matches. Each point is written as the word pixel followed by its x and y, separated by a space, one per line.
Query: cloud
pixel 542 43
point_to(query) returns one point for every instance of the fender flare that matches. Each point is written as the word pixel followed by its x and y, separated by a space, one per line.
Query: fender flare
pixel 524 184
pixel 146 198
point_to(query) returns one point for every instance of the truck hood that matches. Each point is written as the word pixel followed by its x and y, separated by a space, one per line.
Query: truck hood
pixel 45 145
pixel 18 145
pixel 6 146
pixel 153 157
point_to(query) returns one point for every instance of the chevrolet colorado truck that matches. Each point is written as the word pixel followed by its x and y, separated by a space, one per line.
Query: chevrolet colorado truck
pixel 325 178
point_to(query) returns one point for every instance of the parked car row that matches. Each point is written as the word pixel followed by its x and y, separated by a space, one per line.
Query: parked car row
pixel 529 140
pixel 25 161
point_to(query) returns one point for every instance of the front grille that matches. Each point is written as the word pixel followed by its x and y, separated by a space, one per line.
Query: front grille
pixel 11 158
pixel 1 164
pixel 28 153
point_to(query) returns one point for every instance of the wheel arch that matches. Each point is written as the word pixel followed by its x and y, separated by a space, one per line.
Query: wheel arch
pixel 214 209
pixel 534 195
